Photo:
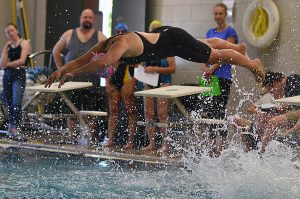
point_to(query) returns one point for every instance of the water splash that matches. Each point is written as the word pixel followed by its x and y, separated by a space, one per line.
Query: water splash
pixel 236 174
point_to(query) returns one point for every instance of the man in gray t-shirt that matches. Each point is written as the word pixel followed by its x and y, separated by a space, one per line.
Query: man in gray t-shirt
pixel 77 42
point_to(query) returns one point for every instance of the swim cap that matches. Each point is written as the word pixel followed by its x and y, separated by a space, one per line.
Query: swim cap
pixel 121 26
pixel 154 22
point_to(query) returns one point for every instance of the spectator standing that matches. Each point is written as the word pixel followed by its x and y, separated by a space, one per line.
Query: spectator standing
pixel 77 42
pixel 216 105
pixel 13 60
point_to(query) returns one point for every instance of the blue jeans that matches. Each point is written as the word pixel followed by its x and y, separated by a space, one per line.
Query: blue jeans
pixel 14 82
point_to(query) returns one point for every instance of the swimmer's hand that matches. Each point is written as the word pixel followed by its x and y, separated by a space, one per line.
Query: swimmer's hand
pixel 53 77
pixel 65 77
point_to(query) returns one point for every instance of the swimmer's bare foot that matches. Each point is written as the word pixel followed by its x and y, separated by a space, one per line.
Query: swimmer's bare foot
pixel 128 148
pixel 109 146
pixel 243 49
pixel 164 151
pixel 258 71
pixel 149 150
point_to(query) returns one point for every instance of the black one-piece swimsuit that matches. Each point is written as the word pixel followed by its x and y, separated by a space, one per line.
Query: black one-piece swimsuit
pixel 172 41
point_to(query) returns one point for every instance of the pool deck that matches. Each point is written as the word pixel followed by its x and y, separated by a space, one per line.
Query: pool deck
pixel 90 152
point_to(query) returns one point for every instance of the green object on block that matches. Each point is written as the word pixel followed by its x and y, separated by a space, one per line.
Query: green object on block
pixel 214 84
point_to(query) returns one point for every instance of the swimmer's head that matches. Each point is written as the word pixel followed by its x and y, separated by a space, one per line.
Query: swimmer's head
pixel 121 27
pixel 154 25
pixel 87 19
pixel 271 78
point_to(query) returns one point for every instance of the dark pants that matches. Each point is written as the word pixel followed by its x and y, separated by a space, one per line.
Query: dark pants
pixel 14 82
pixel 215 108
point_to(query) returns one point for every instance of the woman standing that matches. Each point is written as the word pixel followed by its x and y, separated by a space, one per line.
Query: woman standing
pixel 13 60
pixel 217 104
pixel 165 67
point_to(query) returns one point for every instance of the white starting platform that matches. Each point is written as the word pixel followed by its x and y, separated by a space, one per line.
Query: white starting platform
pixel 173 92
pixel 54 87
pixel 289 100
pixel 60 91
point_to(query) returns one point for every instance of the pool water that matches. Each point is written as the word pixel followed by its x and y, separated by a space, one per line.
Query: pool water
pixel 234 174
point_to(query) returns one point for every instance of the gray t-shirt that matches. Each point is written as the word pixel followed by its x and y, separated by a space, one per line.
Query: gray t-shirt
pixel 75 49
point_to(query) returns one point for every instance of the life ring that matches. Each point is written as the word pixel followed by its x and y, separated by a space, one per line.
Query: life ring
pixel 261 23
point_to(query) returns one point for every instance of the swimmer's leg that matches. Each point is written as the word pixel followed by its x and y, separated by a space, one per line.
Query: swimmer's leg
pixel 149 103
pixel 217 43
pixel 229 56
pixel 162 109
pixel 114 99
pixel 187 47
pixel 127 93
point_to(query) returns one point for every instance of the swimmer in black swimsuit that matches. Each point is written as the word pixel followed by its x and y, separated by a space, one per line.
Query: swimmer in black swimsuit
pixel 121 87
pixel 136 47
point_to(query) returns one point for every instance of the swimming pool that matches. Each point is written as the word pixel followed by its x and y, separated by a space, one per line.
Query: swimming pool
pixel 33 174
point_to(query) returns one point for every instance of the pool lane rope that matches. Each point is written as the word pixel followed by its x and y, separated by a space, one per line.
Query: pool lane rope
pixel 261 23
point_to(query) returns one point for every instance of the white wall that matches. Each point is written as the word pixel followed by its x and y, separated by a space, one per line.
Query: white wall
pixel 286 49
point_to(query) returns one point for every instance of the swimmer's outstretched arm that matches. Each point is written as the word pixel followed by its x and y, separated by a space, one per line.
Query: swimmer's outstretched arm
pixel 75 64
pixel 113 55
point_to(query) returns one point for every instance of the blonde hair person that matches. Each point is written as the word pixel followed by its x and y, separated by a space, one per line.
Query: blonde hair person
pixel 165 67
pixel 154 25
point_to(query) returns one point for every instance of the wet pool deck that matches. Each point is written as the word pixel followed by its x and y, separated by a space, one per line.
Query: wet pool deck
pixel 49 143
